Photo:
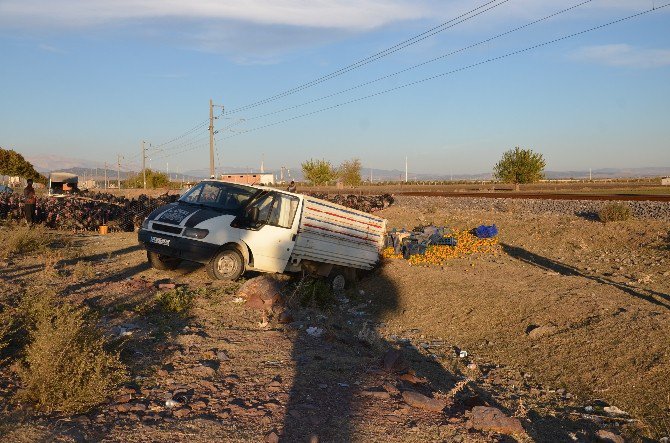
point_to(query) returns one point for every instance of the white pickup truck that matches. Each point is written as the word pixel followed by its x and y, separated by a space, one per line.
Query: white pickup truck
pixel 232 228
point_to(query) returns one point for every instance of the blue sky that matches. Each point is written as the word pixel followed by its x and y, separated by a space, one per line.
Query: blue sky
pixel 91 79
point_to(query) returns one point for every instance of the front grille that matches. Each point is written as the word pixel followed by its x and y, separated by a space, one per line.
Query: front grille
pixel 166 228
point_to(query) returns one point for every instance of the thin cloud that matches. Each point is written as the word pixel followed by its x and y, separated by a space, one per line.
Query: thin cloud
pixel 338 14
pixel 49 48
pixel 623 55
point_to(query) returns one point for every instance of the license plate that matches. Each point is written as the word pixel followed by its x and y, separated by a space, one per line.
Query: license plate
pixel 160 241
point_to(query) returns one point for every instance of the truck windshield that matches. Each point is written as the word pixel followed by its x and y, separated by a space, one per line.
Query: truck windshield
pixel 223 196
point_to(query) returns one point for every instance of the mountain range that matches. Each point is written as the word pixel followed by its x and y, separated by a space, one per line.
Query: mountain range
pixel 89 169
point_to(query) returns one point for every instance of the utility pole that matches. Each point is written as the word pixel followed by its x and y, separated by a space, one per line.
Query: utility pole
pixel 105 175
pixel 118 170
pixel 144 164
pixel 211 138
pixel 212 173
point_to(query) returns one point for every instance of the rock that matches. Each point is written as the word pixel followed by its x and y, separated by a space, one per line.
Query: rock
pixel 222 356
pixel 314 331
pixel 421 401
pixel 203 371
pixel 198 405
pixel 272 437
pixel 285 317
pixel 485 418
pixel 534 332
pixel 262 292
pixel 123 398
pixel 394 362
pixel 412 378
pixel 613 410
pixel 181 412
pixel 123 407
pixel 609 437
pixel 166 285
pixel 138 407
pixel 274 386
pixel 382 395
pixel 391 389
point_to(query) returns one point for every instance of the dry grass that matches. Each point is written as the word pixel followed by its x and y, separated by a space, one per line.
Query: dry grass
pixel 23 241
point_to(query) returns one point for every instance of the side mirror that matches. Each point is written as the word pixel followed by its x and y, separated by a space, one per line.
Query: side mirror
pixel 252 215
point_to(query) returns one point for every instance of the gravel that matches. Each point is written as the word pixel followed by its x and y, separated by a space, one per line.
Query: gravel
pixel 584 208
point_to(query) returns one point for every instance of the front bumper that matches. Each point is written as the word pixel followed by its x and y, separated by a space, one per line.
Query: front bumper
pixel 179 247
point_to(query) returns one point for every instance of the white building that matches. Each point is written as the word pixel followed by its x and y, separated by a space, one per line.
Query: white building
pixel 249 178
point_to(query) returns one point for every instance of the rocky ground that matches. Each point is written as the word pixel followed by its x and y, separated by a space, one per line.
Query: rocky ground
pixel 560 336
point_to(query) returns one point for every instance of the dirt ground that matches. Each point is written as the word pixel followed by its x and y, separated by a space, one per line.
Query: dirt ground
pixel 569 317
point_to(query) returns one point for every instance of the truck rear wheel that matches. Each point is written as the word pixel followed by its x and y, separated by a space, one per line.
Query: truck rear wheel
pixel 162 262
pixel 226 265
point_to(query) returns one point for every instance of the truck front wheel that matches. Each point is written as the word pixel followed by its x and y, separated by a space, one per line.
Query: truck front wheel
pixel 162 262
pixel 226 265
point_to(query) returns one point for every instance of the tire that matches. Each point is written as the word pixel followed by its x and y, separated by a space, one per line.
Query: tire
pixel 163 262
pixel 226 265
pixel 342 277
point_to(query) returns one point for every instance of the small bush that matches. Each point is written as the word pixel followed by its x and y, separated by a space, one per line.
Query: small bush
pixel 18 317
pixel 25 241
pixel 67 368
pixel 614 212
pixel 6 329
pixel 316 292
pixel 83 270
pixel 51 260
pixel 176 301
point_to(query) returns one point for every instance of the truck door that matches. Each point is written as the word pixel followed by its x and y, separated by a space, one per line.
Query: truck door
pixel 272 237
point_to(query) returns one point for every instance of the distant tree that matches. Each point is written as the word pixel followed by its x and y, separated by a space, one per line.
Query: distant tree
pixel 155 179
pixel 350 172
pixel 13 163
pixel 318 172
pixel 520 166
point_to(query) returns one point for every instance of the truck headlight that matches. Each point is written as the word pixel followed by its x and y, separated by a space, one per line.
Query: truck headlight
pixel 195 233
pixel 145 223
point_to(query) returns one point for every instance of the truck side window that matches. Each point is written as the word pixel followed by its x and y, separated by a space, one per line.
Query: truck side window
pixel 283 210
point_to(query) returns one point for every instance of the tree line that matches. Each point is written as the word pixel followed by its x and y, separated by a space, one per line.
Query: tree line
pixel 322 172
pixel 516 166
pixel 13 164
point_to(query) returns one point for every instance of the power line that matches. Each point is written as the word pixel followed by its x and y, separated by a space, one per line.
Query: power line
pixel 199 125
pixel 488 40
pixel 444 74
pixel 388 51
pixel 395 48
pixel 463 68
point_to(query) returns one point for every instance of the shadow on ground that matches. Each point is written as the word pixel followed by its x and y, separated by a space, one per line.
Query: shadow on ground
pixel 651 296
